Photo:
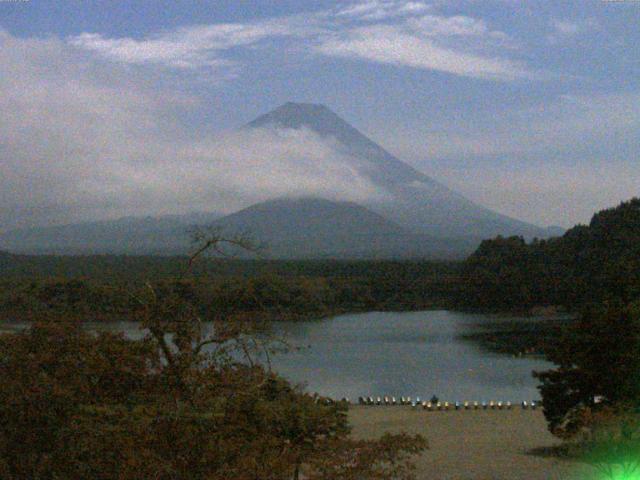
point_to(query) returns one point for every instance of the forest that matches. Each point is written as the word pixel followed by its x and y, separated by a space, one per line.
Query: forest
pixel 105 288
pixel 591 263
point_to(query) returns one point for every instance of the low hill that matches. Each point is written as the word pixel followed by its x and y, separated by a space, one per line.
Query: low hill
pixel 289 228
pixel 319 228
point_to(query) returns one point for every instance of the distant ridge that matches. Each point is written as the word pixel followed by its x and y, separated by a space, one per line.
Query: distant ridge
pixel 289 229
pixel 167 234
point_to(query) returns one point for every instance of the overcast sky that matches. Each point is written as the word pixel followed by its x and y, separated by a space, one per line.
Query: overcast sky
pixel 128 108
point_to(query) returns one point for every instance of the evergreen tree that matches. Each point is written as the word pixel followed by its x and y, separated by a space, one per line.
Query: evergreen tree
pixel 598 366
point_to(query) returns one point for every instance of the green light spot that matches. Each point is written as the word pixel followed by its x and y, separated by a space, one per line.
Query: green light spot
pixel 623 476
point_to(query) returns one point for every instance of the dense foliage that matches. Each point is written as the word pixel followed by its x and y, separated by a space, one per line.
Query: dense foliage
pixel 187 401
pixel 104 288
pixel 182 403
pixel 592 395
pixel 597 366
pixel 593 263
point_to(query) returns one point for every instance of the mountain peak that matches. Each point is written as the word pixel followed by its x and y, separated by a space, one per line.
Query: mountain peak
pixel 303 106
pixel 314 116
pixel 418 202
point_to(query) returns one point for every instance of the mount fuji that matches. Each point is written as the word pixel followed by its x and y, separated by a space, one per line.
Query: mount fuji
pixel 414 200
pixel 413 217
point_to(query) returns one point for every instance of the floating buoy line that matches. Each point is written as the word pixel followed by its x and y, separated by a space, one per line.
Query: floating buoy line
pixel 437 406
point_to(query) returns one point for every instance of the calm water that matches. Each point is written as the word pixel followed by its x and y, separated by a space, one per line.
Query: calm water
pixel 411 353
pixel 387 353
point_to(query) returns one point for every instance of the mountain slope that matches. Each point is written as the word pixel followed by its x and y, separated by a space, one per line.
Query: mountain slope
pixel 316 228
pixel 417 201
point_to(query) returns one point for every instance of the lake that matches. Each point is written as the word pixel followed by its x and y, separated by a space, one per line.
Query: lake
pixel 397 354
pixel 404 354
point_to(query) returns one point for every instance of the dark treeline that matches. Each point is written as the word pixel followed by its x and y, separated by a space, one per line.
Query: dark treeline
pixel 593 263
pixel 107 287
pixel 589 264
pixel 590 396
pixel 141 267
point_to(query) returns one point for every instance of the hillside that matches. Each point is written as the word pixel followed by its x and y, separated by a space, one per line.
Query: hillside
pixel 318 228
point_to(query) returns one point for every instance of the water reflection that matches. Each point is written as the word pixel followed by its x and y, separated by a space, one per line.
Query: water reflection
pixel 388 353
pixel 412 353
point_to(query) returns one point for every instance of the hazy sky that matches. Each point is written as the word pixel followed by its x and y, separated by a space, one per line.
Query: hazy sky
pixel 117 108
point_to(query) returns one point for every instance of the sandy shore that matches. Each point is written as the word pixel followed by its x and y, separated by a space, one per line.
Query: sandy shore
pixel 474 445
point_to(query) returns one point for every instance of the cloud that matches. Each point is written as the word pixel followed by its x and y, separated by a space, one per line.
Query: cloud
pixel 568 29
pixel 381 10
pixel 410 34
pixel 402 45
pixel 67 127
pixel 192 47
pixel 433 25
pixel 257 164
pixel 401 33
pixel 84 139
